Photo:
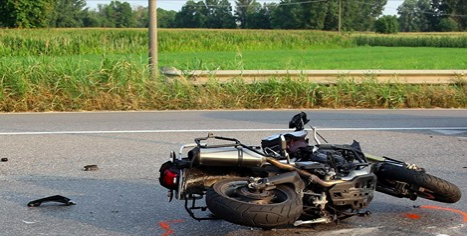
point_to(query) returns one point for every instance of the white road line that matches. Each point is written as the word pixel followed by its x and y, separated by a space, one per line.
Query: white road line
pixel 222 130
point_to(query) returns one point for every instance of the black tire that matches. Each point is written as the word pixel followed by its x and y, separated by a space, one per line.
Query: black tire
pixel 426 185
pixel 281 210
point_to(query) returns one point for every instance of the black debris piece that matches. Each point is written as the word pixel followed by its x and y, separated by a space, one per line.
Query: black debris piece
pixel 56 198
pixel 91 168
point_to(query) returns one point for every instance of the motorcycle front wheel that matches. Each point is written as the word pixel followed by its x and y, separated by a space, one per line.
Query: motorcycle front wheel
pixel 419 184
pixel 231 200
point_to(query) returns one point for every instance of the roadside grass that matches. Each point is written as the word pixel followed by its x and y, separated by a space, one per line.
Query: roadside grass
pixel 73 70
pixel 122 85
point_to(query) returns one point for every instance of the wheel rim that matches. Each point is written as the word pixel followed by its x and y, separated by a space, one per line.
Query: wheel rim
pixel 239 191
pixel 425 193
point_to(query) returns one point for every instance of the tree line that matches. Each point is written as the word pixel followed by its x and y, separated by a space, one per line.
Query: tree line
pixel 432 15
pixel 361 15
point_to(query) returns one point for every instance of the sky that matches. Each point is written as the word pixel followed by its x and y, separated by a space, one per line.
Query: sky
pixel 176 5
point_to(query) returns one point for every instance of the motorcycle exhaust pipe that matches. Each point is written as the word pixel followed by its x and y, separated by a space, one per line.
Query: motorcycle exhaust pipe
pixel 245 158
pixel 313 178
pixel 229 156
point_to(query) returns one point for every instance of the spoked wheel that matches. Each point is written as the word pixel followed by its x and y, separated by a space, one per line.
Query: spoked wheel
pixel 233 201
pixel 412 184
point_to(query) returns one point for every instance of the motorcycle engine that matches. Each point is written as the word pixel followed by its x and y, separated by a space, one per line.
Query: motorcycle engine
pixel 356 192
pixel 334 160
pixel 330 161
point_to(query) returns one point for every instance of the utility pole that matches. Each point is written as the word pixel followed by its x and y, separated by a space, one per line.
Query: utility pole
pixel 153 71
pixel 340 15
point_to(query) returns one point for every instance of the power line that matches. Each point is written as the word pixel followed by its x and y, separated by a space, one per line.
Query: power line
pixel 279 3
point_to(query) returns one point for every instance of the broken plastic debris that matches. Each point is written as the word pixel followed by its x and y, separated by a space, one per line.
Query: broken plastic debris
pixel 56 198
pixel 91 168
pixel 28 222
pixel 4 159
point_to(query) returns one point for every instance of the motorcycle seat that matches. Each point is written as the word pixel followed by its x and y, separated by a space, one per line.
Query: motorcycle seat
pixel 274 141
pixel 289 135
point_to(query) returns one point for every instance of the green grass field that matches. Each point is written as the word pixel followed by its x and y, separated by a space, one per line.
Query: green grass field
pixel 238 49
pixel 358 58
pixel 106 69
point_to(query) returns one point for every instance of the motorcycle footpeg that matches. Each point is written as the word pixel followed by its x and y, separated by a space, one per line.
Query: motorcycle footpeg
pixel 363 214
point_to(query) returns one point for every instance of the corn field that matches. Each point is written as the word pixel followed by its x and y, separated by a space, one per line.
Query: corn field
pixel 439 41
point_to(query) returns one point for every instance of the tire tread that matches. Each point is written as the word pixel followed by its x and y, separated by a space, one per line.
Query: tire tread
pixel 254 215
pixel 444 190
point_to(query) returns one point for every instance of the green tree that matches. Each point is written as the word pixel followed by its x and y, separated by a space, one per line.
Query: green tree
pixel 165 19
pixel 386 25
pixel 425 11
pixel 447 24
pixel 261 18
pixel 218 14
pixel 125 17
pixel 69 13
pixel 288 15
pixel 91 18
pixel 331 21
pixel 314 14
pixel 414 15
pixel 461 14
pixel 117 14
pixel 361 15
pixel 26 13
pixel 324 15
pixel 142 16
pixel 244 10
pixel 453 9
pixel 107 15
pixel 191 15
pixel 208 14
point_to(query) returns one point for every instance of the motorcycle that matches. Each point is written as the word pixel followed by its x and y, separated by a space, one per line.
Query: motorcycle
pixel 287 181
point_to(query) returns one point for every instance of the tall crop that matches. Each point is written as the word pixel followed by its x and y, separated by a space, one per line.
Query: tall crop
pixel 15 42
pixel 441 41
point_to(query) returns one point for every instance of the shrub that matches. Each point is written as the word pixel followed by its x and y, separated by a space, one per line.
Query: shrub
pixel 387 25
pixel 447 25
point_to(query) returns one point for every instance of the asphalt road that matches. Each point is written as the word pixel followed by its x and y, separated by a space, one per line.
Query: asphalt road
pixel 47 152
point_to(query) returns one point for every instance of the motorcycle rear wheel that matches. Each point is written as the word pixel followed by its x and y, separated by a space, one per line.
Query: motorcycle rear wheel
pixel 422 184
pixel 274 208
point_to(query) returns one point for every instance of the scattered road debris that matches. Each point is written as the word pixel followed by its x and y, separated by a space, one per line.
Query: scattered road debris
pixel 4 159
pixel 28 222
pixel 91 168
pixel 56 198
